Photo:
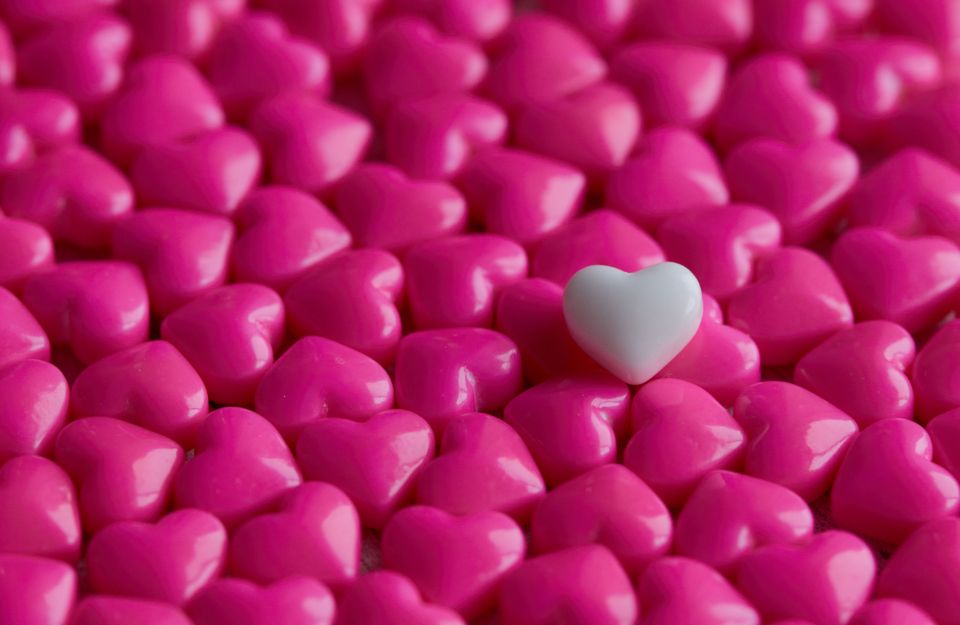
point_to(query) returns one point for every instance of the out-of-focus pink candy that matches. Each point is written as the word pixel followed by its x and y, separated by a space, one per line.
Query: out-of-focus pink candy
pixel 936 379
pixel 182 254
pixel 680 434
pixel 151 385
pixel 608 505
pixel 770 96
pixel 675 84
pixel 72 192
pixel 890 612
pixel 673 171
pixel 163 99
pixel 593 129
pixel 168 562
pixel 25 249
pixel 182 27
pixel 944 431
pixel 122 471
pixel 241 467
pixel 307 143
pixel 35 591
pixel 551 586
pixel 375 463
pixel 318 378
pixel 316 532
pixel 726 24
pixel 932 22
pixel 469 555
pixel 383 208
pixel 604 22
pixel 913 282
pixel 681 591
pixel 479 449
pixel 106 610
pixel 388 598
pixel 21 337
pixel 835 570
pixel 928 121
pixel 454 282
pixel 293 601
pixel 40 510
pixel 570 425
pixel 526 68
pixel 33 406
pixel 441 374
pixel 730 514
pixel 49 118
pixel 434 137
pixel 794 304
pixel 888 484
pixel 229 336
pixel 95 307
pixel 799 26
pixel 23 15
pixel 925 570
pixel 283 233
pixel 340 27
pixel 479 20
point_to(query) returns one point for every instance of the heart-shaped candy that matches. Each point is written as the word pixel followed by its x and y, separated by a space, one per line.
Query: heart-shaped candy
pixel 105 610
pixel 184 28
pixel 25 249
pixel 479 21
pixel 294 601
pixel 604 22
pixel 21 337
pixel 929 122
pixel 388 598
pixel 35 591
pixel 798 26
pixel 891 612
pixel 633 323
pixel 33 406
pixel 316 532
pixel 170 561
pixel 944 432
pixel 725 24
pixel 929 22
pixel 681 591
pixel 48 118
pixel 934 378
pixel 23 15
pixel 469 555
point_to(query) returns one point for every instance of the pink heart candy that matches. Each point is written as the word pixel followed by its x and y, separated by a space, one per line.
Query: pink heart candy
pixel 593 129
pixel 835 571
pixel 316 532
pixel 722 23
pixel 929 122
pixel 550 589
pixel 470 555
pixel 925 570
pixel 730 514
pixel 944 432
pixel 770 96
pixel 929 22
pixel 308 143
pixel 454 281
pixel 25 248
pixel 604 22
pixel 795 303
pixel 608 505
pixel 35 591
pixel 912 282
pixel 888 484
pixel 294 601
pixel 170 561
pixel 481 20
pixel 33 406
pixel 862 371
pixel 890 612
pixel 376 463
pixel 384 208
pixel 104 610
pixel 570 425
pixel 23 15
pixel 163 99
pixel 182 254
pixel 934 377
pixel 95 307
pixel 179 27
pixel 720 245
pixel 681 591
pixel 675 84
pixel 521 195
pixel 799 26
pixel 680 434
pixel 254 58
pixel 21 337
pixel 317 379
pixel 388 598
pixel 673 171
pixel 407 58
pixel 49 118
pixel 40 510
pixel 240 468
pixel 433 137
pixel 526 68
pixel 283 233
pixel 151 385
pixel 72 192
pixel 229 335
pixel 122 471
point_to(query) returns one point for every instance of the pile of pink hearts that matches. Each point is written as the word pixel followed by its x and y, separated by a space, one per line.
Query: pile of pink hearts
pixel 449 312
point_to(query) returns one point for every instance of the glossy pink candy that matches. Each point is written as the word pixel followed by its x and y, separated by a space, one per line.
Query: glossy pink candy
pixel 33 121
pixel 934 376
pixel 167 562
pixel 229 336
pixel 122 471
pixel 800 26
pixel 456 561
pixel 318 378
pixel 106 610
pixel 22 15
pixel 294 601
pixel 240 468
pixel 944 432
pixel 21 337
pixel 388 598
pixel 891 612
pixel 35 591
pixel 376 463
pixel 604 22
pixel 929 122
pixel 33 407
pixel 681 591
pixel 722 23
pixel 929 22
pixel 479 21
pixel 183 27
pixel 315 532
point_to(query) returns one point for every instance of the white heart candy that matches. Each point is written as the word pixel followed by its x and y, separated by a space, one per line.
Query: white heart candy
pixel 633 323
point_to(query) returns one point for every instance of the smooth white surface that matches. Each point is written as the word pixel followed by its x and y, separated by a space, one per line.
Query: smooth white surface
pixel 633 323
